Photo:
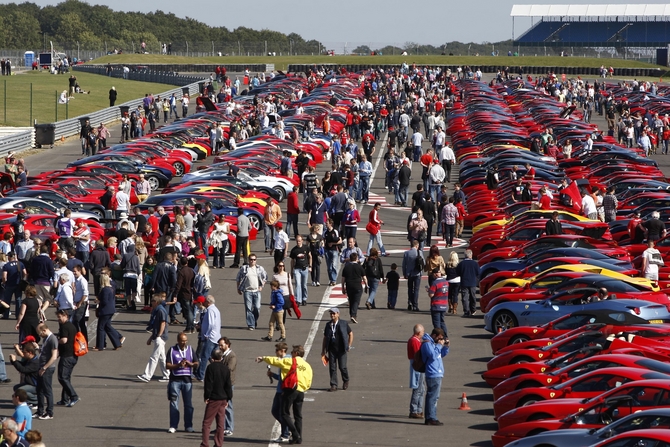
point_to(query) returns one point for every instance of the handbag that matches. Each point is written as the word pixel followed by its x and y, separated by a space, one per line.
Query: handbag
pixel 290 381
pixel 372 228
pixel 422 235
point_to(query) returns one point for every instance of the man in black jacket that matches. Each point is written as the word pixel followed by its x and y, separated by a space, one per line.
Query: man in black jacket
pixel 203 224
pixel 337 340
pixel 404 177
pixel 218 391
pixel 184 293
pixel 98 259
pixel 164 279
pixel 28 367
pixel 553 225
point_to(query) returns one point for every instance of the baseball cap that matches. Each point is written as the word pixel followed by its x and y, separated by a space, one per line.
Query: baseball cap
pixel 278 225
pixel 334 310
pixel 201 256
pixel 29 339
pixel 199 300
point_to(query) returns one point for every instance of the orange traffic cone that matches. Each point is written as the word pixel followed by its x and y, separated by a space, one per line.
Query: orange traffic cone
pixel 464 403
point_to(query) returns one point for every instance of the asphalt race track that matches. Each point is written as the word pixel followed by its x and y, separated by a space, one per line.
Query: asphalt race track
pixel 116 409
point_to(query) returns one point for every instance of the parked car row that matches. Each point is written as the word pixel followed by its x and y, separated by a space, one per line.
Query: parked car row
pixel 581 345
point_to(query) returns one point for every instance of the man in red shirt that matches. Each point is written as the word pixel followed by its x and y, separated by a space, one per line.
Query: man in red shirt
pixel 292 211
pixel 545 201
pixel 635 229
pixel 416 379
pixel 530 172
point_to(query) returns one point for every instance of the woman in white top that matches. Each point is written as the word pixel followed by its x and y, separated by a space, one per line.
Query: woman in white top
pixel 285 285
pixel 219 240
pixel 651 259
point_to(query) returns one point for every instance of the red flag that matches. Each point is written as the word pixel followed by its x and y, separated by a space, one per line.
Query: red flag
pixel 572 191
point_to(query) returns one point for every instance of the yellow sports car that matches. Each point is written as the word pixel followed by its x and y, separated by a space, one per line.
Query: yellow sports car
pixel 564 216
pixel 256 200
pixel 548 277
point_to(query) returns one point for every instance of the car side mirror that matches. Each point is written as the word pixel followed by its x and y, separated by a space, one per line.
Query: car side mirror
pixel 567 390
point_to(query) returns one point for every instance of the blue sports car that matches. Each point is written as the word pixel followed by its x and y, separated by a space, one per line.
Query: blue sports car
pixel 534 313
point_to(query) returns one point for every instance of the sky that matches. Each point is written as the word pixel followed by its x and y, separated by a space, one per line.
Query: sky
pixel 352 23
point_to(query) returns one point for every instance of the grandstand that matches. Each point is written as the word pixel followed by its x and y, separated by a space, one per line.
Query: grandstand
pixel 602 26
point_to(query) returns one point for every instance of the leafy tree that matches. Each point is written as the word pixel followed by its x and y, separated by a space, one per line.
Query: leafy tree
pixel 362 50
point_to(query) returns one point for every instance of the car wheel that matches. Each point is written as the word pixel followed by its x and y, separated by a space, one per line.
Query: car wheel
pixel 255 222
pixel 153 182
pixel 528 401
pixel 487 247
pixel 519 339
pixel 539 417
pixel 504 320
pixel 178 168
pixel 279 190
pixel 99 212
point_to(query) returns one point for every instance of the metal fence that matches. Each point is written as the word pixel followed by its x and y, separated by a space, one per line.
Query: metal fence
pixel 25 137
pixel 162 77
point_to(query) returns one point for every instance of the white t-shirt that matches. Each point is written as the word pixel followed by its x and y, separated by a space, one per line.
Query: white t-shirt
pixel 589 205
pixel 651 270
pixel 417 139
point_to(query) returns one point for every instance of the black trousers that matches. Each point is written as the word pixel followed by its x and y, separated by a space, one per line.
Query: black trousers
pixel 65 367
pixel 293 399
pixel 354 297
pixel 45 391
pixel 79 320
pixel 241 249
pixel 337 359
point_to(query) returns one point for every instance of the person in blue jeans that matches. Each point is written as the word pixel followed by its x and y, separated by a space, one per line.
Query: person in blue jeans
pixel 435 346
pixel 374 271
pixel 301 260
pixel 280 350
pixel 181 362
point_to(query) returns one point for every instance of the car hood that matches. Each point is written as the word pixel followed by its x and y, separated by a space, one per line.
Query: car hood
pixel 557 438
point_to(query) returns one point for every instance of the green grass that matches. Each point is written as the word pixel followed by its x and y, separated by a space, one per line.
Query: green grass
pixel 282 62
pixel 47 87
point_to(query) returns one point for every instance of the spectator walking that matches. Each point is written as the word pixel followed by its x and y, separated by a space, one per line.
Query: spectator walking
pixel 468 270
pixel 159 335
pixel 243 229
pixel 374 273
pixel 412 266
pixel 374 229
pixel 47 362
pixel 353 275
pixel 105 311
pixel 66 336
pixel 439 298
pixel 230 360
pixel 250 281
pixel 301 261
pixel 280 350
pixel 218 391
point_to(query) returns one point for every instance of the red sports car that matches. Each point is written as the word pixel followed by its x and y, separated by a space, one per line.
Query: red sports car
pixel 646 394
pixel 561 326
pixel 587 386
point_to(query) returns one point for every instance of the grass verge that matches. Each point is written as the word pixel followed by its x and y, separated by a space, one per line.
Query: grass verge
pixel 47 87
pixel 282 62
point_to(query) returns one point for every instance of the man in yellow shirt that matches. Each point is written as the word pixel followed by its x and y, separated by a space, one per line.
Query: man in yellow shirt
pixel 293 398
pixel 272 216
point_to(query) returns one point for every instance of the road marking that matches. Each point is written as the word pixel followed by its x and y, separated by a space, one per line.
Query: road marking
pixel 327 302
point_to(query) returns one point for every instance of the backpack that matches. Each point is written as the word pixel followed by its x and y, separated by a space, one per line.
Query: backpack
pixel 419 263
pixel 64 227
pixel 80 345
pixel 419 365
pixel 290 381
pixel 371 268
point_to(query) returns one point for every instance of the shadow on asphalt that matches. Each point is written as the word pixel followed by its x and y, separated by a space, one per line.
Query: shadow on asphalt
pixel 481 359
pixel 482 444
pixel 478 385
pixel 478 336
pixel 478 326
pixel 377 419
pixel 483 412
pixel 120 427
pixel 482 397
pixel 492 426
pixel 387 341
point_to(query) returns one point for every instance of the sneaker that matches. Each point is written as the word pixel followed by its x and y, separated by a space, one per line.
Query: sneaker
pixel 267 338
pixel 143 379
pixel 123 339
pixel 353 320
pixel 62 403
pixel 32 407
pixel 45 417
pixel 250 328
pixel 227 433
pixel 318 284
pixel 164 380
pixel 190 430
pixel 280 339
pixel 73 402
pixel 6 381
pixel 172 430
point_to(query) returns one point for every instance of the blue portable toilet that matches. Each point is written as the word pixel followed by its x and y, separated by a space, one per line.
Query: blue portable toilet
pixel 29 57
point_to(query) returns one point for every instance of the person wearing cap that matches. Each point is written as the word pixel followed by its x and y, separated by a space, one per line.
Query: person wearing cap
pixel 26 362
pixel 159 335
pixel 438 293
pixel 337 341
